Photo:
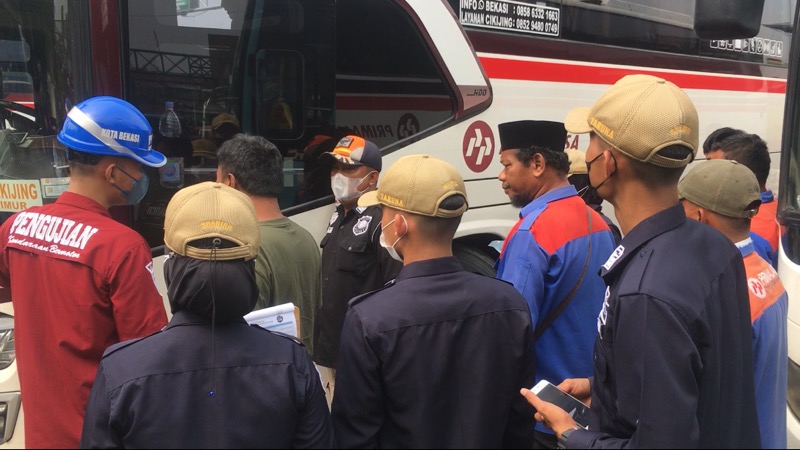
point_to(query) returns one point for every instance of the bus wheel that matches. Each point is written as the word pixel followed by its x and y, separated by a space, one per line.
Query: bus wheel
pixel 475 260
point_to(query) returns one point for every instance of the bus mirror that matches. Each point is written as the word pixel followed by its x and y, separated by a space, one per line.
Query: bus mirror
pixel 727 19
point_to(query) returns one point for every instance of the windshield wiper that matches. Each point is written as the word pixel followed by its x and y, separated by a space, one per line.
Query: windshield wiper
pixel 17 107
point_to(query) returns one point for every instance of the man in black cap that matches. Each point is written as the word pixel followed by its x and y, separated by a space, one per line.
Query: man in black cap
pixel 353 261
pixel 553 253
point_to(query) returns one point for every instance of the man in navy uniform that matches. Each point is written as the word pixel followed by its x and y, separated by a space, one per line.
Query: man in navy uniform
pixel 436 359
pixel 673 357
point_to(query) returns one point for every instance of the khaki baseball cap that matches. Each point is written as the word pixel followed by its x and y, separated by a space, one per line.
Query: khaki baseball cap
pixel 418 184
pixel 640 115
pixel 212 210
pixel 577 161
pixel 223 118
pixel 205 148
pixel 722 186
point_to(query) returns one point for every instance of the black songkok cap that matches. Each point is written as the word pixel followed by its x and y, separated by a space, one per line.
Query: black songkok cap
pixel 532 133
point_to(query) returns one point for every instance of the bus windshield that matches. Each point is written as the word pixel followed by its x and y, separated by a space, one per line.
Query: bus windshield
pixel 43 72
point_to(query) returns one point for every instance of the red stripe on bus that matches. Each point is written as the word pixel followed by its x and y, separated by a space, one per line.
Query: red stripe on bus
pixel 383 103
pixel 510 69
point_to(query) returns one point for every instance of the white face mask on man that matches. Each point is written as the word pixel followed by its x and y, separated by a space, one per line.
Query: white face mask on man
pixel 345 188
pixel 390 248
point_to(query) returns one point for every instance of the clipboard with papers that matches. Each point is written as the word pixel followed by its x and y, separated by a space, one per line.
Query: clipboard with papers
pixel 283 318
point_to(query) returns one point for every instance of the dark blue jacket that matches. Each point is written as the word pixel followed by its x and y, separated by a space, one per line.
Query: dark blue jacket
pixel 673 356
pixel 436 360
pixel 156 392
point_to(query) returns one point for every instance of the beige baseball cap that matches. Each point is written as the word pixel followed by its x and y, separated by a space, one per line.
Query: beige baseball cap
pixel 212 210
pixel 640 115
pixel 577 161
pixel 418 184
pixel 722 186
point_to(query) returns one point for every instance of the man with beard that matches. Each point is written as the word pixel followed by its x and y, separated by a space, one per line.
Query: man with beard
pixel 553 253
pixel 208 380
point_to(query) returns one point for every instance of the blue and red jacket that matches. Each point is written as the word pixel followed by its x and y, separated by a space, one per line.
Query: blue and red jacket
pixel 768 312
pixel 543 257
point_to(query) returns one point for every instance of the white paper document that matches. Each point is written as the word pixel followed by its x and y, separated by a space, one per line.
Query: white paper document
pixel 283 318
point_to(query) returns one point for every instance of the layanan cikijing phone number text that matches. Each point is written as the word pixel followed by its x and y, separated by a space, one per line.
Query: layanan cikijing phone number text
pixel 536 19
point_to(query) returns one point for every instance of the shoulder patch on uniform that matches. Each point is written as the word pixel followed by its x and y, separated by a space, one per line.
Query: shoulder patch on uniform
pixel 359 298
pixel 615 255
pixel 362 225
pixel 333 217
pixel 294 339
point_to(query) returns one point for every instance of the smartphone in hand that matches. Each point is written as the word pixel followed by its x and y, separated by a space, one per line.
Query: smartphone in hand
pixel 548 392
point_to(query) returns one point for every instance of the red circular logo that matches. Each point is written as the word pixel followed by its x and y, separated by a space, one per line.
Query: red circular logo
pixel 407 126
pixel 478 146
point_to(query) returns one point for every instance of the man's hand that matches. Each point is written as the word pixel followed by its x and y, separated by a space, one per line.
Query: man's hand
pixel 551 415
pixel 579 388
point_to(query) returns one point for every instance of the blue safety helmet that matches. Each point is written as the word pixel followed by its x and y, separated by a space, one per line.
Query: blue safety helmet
pixel 113 127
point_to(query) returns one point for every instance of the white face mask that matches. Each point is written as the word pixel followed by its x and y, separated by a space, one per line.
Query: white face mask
pixel 345 188
pixel 390 248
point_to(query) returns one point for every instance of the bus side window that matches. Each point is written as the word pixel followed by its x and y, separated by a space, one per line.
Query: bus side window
pixel 669 27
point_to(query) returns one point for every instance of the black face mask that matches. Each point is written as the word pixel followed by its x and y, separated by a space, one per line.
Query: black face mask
pixel 586 192
pixel 195 285
pixel 589 168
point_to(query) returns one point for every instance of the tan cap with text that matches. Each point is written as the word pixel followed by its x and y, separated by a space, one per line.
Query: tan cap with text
pixel 418 184
pixel 212 210
pixel 640 115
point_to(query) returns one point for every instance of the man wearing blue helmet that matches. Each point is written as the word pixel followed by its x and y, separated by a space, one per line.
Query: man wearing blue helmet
pixel 79 280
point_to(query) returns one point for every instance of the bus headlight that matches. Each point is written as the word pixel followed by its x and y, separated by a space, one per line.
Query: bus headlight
pixel 793 391
pixel 10 403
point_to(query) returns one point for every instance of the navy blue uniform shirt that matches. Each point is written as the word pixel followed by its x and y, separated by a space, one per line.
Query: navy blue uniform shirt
pixel 154 392
pixel 673 356
pixel 436 360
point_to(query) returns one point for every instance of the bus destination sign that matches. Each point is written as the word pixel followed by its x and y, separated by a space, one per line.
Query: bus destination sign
pixel 510 15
